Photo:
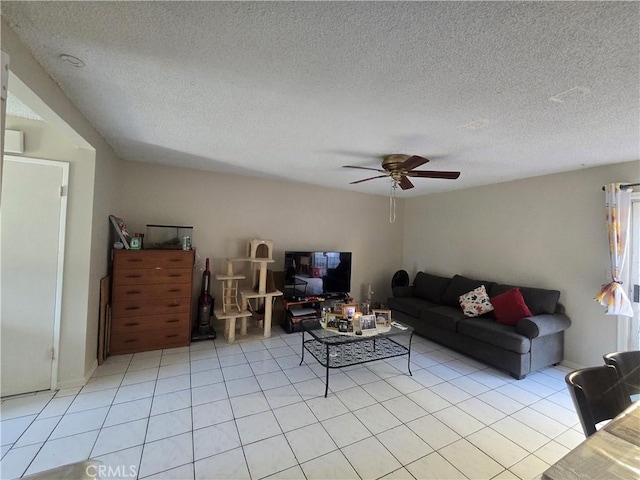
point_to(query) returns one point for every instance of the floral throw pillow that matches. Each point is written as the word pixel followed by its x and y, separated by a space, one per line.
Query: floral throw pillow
pixel 476 302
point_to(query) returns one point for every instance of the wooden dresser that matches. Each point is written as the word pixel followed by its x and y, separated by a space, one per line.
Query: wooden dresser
pixel 151 300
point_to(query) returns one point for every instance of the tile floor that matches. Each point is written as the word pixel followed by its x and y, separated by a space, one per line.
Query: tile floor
pixel 249 410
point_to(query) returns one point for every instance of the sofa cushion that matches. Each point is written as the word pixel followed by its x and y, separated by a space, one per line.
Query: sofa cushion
pixel 430 287
pixel 539 300
pixel 509 307
pixel 488 331
pixel 476 302
pixel 442 316
pixel 460 285
pixel 409 305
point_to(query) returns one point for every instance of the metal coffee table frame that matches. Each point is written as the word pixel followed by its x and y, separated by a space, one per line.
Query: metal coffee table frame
pixel 334 350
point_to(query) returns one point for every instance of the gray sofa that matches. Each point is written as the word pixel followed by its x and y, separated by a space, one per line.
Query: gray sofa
pixel 431 306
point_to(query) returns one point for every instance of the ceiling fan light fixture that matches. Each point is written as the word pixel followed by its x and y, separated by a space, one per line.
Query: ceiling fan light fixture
pixel 398 168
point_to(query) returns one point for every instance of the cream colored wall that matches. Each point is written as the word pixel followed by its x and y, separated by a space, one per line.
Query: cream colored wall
pixel 105 196
pixel 227 210
pixel 544 232
pixel 93 191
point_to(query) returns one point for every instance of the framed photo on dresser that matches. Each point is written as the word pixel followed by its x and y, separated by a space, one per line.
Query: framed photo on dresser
pixel 120 227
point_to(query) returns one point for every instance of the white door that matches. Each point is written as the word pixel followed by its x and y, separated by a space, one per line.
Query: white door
pixel 31 253
pixel 634 283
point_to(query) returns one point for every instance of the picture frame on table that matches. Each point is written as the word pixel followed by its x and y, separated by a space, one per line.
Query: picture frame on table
pixel 344 325
pixel 383 317
pixel 349 310
pixel 368 322
pixel 337 307
pixel 332 320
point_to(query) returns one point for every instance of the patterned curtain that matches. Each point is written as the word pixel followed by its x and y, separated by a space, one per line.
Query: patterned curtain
pixel 613 295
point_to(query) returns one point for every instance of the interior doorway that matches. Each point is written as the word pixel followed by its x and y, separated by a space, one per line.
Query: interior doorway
pixel 33 222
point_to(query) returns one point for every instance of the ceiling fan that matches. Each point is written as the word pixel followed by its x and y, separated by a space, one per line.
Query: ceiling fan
pixel 400 167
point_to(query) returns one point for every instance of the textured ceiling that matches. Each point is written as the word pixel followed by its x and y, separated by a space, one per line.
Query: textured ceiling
pixel 16 108
pixel 294 90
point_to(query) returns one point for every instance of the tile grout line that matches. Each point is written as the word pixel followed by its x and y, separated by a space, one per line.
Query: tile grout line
pixel 109 410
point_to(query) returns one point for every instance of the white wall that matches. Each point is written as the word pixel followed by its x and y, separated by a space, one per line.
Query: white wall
pixel 544 232
pixel 93 190
pixel 227 210
pixel 105 196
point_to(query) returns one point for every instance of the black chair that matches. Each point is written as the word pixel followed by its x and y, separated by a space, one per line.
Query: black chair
pixel 598 394
pixel 627 364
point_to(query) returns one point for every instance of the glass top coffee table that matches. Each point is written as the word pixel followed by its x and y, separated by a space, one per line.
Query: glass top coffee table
pixel 333 349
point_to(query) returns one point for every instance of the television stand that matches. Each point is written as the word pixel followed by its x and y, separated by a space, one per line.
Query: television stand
pixel 292 321
pixel 312 308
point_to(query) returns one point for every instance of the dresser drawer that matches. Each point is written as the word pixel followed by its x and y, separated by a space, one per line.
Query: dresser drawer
pixel 157 306
pixel 144 292
pixel 141 276
pixel 125 259
pixel 154 340
pixel 167 321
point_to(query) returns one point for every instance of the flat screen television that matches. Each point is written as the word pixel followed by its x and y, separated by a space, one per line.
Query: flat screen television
pixel 308 274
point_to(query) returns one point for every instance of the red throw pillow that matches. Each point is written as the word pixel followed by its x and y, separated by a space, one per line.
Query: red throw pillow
pixel 509 307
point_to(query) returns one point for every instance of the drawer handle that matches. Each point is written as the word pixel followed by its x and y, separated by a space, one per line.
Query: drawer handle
pixel 133 260
pixel 133 340
pixel 172 336
pixel 175 274
pixel 174 305
pixel 132 308
pixel 173 320
pixel 134 276
pixel 134 292
pixel 175 259
pixel 131 324
pixel 173 290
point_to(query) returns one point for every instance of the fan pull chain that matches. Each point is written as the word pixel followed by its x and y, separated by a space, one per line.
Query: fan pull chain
pixel 392 202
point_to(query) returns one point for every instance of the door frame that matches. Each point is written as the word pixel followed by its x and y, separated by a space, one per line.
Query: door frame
pixel 57 315
pixel 628 328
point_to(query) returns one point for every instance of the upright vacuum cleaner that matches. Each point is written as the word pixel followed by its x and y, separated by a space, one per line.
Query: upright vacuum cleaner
pixel 204 330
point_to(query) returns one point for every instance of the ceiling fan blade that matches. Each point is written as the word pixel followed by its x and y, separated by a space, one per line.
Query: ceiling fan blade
pixel 434 174
pixel 405 183
pixel 364 168
pixel 413 162
pixel 367 179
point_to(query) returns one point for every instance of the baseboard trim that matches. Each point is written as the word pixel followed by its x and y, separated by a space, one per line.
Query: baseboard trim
pixel 571 365
pixel 79 382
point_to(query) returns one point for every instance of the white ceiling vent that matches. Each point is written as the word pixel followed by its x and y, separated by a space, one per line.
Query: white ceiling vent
pixel 13 141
